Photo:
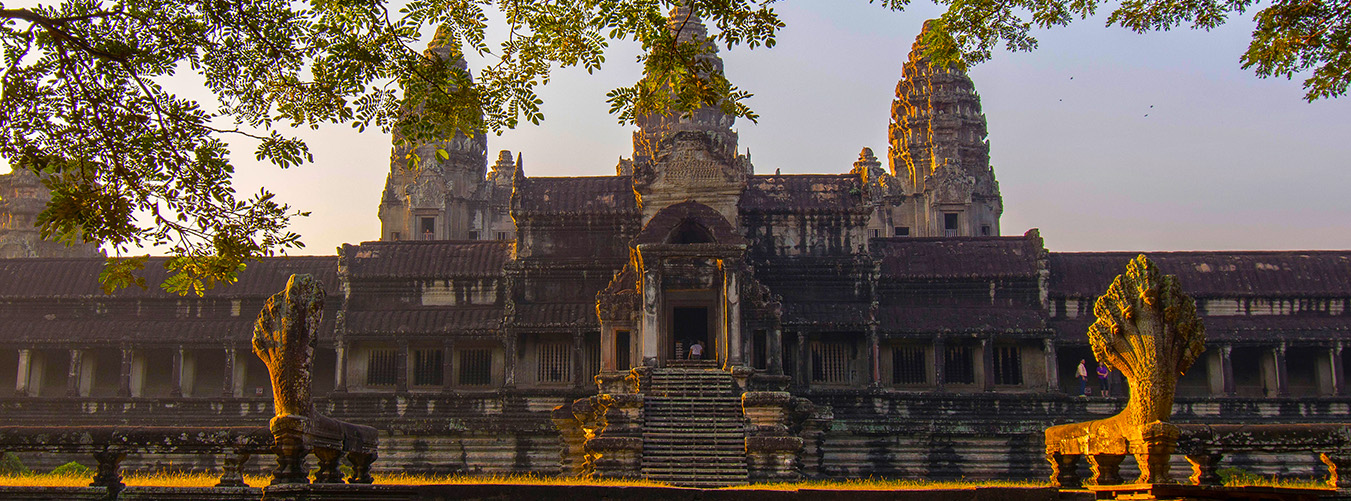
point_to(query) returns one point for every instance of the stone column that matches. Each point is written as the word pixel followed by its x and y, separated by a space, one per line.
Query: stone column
pixel 732 292
pixel 874 356
pixel 577 369
pixel 509 359
pixel 987 362
pixel 940 362
pixel 803 364
pixel 774 351
pixel 1052 365
pixel 1227 369
pixel 73 376
pixel 401 367
pixel 176 374
pixel 21 379
pixel 1282 382
pixel 650 329
pixel 124 377
pixel 340 379
pixel 607 347
pixel 448 365
pixel 1335 365
pixel 227 386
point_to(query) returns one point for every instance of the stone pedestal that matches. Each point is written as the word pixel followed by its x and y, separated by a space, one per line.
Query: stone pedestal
pixel 1065 470
pixel 771 452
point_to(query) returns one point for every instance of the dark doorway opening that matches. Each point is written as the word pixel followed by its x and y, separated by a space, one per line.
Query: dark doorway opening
pixel 690 324
pixel 622 351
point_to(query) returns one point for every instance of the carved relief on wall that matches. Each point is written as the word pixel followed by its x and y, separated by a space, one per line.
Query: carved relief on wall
pixel 429 191
pixel 950 185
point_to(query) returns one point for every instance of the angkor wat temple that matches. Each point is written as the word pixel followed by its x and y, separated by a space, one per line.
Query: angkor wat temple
pixel 915 340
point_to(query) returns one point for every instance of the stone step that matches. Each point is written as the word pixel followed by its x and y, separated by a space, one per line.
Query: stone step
pixel 701 420
pixel 701 477
pixel 695 434
pixel 684 457
pixel 692 401
pixel 691 424
pixel 697 475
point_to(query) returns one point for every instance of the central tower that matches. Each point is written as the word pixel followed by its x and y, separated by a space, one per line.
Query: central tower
pixel 940 153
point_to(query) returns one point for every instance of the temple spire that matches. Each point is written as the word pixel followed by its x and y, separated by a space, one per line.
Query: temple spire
pixel 939 150
pixel 686 25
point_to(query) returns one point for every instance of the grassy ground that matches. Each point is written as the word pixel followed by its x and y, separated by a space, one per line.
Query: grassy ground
pixel 205 480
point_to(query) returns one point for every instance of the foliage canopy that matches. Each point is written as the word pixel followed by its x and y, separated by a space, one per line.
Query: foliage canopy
pixel 85 99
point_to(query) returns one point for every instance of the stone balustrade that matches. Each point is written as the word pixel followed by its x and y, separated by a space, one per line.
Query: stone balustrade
pixel 110 445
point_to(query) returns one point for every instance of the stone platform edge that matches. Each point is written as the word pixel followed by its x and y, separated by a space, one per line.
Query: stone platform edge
pixel 470 492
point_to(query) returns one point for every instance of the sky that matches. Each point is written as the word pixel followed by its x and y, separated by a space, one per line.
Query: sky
pixel 1102 138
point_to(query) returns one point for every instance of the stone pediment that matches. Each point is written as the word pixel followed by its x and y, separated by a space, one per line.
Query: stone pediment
pixel 429 191
pixel 949 185
pixel 692 162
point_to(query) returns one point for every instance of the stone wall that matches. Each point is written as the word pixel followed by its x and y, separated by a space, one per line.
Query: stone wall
pixel 874 433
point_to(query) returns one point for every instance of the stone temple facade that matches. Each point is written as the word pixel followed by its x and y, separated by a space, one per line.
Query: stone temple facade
pixel 914 338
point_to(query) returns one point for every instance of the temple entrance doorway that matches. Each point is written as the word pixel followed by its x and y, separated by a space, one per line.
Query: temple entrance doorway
pixel 690 324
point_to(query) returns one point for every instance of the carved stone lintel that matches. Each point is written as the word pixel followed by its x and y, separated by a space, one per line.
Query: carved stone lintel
pixel 109 472
pixel 361 467
pixel 232 469
pixel 1106 468
pixel 328 466
pixel 1204 468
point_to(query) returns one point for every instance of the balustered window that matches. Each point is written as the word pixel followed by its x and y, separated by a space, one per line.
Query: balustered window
pixel 553 362
pixel 959 365
pixel 476 367
pixel 428 367
pixel 908 365
pixel 1008 365
pixel 382 368
pixel 830 362
pixel 590 355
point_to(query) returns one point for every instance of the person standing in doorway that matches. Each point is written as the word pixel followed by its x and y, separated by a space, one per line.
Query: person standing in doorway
pixel 696 350
pixel 1082 374
pixel 1103 372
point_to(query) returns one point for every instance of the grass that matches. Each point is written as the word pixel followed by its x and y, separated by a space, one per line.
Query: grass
pixel 174 479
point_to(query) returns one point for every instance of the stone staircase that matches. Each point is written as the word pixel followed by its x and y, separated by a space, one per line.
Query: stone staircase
pixel 694 430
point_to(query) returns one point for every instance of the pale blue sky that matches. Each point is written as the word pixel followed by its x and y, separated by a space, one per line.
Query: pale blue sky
pixel 1223 160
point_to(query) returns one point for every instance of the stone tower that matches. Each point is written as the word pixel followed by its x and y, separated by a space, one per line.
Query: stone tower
pixel 22 198
pixel 432 200
pixel 940 153
pixel 691 156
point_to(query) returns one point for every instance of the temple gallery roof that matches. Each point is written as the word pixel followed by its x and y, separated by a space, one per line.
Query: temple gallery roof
pixel 577 195
pixel 974 257
pixel 802 193
pixel 70 278
pixel 1212 274
pixel 429 259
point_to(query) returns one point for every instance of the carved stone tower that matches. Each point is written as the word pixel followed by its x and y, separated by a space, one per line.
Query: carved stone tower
pixel 22 198
pixel 940 153
pixel 691 156
pixel 432 200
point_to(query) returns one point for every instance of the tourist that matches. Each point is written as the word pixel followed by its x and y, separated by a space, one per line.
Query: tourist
pixel 696 350
pixel 1103 372
pixel 1083 378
